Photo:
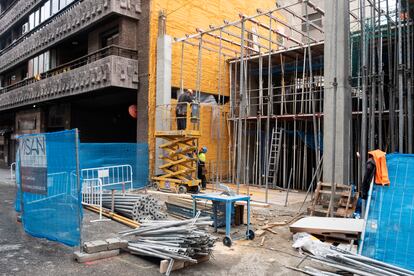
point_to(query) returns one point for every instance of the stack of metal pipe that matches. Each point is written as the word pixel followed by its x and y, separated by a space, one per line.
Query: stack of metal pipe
pixel 134 206
pixel 344 261
pixel 184 240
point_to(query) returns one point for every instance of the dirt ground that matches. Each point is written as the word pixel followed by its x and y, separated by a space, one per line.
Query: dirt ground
pixel 21 254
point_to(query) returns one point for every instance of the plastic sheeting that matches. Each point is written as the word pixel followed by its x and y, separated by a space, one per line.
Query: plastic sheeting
pixel 51 198
pixel 390 226
pixel 95 155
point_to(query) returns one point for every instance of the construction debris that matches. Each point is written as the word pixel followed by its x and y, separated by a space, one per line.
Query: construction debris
pixel 184 241
pixel 82 257
pixel 330 228
pixel 341 260
pixel 134 206
pixel 104 245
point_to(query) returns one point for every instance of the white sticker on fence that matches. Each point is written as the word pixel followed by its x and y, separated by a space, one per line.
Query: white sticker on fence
pixel 103 173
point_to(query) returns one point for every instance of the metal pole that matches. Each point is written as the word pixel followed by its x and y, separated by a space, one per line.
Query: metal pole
pixel 364 90
pixel 79 188
pixel 373 77
pixel 269 107
pixel 288 188
pixel 381 81
pixel 219 115
pixel 182 68
pixel 409 82
pixel 400 82
pixel 241 108
pixel 366 217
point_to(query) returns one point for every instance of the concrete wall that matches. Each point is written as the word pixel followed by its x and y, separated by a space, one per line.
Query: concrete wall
pixel 78 17
pixel 106 72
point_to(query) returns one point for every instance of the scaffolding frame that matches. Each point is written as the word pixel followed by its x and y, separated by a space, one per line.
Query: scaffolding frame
pixel 266 54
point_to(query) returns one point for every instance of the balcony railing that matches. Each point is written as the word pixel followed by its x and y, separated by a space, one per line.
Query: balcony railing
pixel 3 12
pixel 112 50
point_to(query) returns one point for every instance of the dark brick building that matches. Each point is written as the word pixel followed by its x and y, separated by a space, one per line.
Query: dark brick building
pixel 70 64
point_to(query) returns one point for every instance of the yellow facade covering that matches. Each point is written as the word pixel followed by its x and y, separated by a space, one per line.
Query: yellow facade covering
pixel 183 17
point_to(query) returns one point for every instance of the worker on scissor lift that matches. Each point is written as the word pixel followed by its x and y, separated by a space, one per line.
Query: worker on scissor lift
pixel 201 173
pixel 181 109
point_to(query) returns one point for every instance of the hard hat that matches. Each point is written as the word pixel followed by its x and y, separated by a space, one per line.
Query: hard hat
pixel 190 91
pixel 204 149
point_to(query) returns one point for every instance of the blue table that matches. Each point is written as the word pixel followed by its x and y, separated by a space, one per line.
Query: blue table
pixel 229 201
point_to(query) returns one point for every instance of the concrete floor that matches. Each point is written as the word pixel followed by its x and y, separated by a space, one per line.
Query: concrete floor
pixel 275 197
pixel 21 254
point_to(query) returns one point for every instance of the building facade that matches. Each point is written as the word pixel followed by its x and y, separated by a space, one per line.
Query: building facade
pixel 68 64
pixel 83 64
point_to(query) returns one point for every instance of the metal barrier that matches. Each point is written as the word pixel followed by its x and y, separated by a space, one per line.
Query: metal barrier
pixel 92 195
pixel 56 188
pixel 112 177
pixel 13 172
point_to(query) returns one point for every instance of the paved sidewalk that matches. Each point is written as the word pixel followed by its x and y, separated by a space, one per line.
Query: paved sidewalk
pixel 5 177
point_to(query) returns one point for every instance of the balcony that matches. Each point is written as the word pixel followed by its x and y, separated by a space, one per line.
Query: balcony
pixel 15 12
pixel 72 20
pixel 112 66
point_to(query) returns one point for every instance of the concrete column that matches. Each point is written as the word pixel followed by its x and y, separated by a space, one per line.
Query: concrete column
pixel 337 96
pixel 163 98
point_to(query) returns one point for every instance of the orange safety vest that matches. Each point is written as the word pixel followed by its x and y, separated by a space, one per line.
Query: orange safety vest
pixel 381 171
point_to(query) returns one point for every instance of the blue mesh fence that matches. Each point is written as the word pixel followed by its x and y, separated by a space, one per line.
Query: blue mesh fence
pixel 390 226
pixel 111 162
pixel 51 206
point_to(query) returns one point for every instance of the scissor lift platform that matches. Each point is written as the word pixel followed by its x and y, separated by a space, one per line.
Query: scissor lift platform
pixel 180 161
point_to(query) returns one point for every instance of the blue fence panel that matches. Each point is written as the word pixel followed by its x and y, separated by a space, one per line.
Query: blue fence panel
pixel 51 197
pixel 96 155
pixel 390 226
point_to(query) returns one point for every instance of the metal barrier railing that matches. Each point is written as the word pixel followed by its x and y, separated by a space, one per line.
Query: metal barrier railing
pixel 178 116
pixel 112 50
pixel 92 190
pixel 13 171
pixel 112 177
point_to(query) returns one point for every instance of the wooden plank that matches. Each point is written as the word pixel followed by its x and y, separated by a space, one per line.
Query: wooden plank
pixel 327 225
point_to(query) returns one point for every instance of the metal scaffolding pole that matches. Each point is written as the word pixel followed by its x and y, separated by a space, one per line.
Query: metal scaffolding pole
pixel 241 110
pixel 364 88
pixel 409 81
pixel 400 82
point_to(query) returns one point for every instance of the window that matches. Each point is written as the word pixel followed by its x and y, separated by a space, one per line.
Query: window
pixel 55 6
pixel 62 4
pixel 45 12
pixel 41 64
pixel 36 18
pixel 30 69
pixel 31 21
pixel 35 66
pixel 46 61
pixel 315 18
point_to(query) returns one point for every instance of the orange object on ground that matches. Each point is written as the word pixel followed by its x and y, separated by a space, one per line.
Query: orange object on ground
pixel 381 171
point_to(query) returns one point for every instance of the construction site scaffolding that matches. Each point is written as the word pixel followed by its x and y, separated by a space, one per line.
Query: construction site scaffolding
pixel 274 74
